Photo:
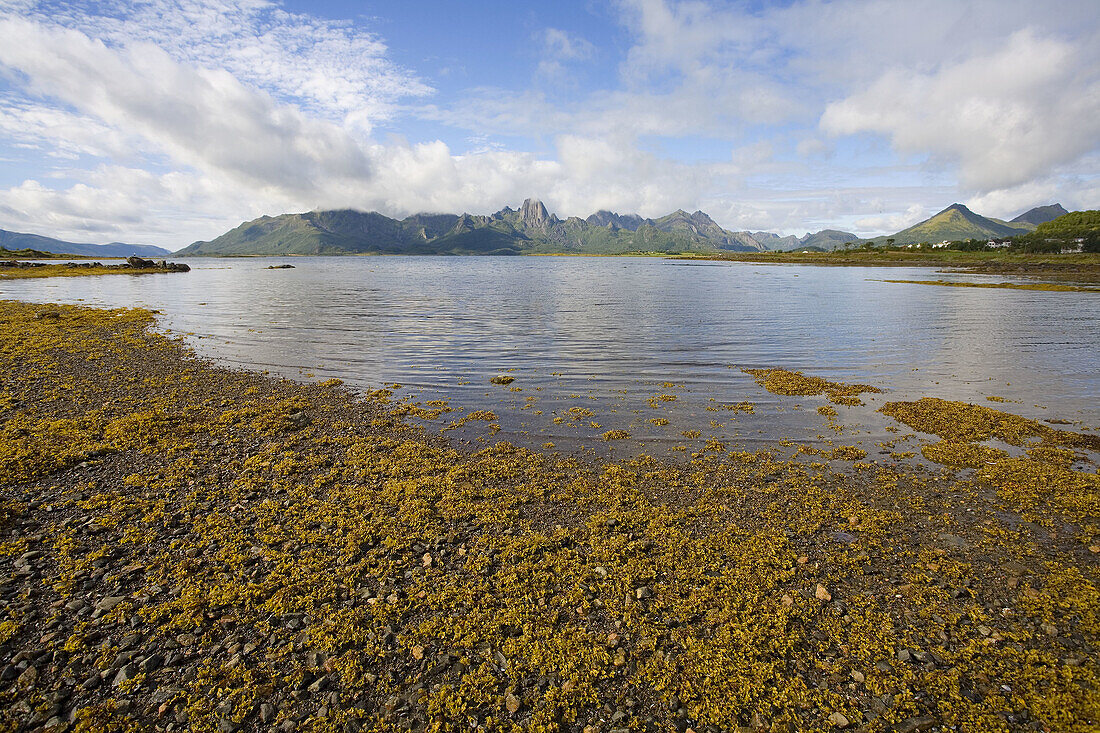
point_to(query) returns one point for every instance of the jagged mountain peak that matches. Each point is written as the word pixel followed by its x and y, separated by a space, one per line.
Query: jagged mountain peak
pixel 534 214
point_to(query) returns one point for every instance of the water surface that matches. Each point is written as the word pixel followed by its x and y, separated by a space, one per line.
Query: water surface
pixel 607 334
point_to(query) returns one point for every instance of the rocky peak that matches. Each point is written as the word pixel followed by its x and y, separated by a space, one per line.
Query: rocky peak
pixel 534 214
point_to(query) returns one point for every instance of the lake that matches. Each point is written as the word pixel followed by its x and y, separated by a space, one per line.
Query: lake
pixel 607 335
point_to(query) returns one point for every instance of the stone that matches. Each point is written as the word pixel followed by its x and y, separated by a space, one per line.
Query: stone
pixel 151 663
pixel 952 540
pixel 858 676
pixel 512 703
pixel 109 603
pixel 125 674
pixel 28 678
pixel 839 720
pixel 822 593
pixel 643 593
pixel 267 712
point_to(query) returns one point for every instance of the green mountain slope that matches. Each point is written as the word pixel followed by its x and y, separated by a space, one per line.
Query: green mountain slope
pixel 1077 228
pixel 828 239
pixel 957 222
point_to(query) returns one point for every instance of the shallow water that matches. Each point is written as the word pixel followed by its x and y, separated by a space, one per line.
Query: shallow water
pixel 606 334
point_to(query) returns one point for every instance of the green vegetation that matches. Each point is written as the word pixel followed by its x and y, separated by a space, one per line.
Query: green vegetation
pixel 1073 230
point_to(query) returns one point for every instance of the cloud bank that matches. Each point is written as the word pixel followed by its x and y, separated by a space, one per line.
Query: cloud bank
pixel 172 121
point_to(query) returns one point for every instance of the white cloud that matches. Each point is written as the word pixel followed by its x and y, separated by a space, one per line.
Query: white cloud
pixel 60 133
pixel 328 68
pixel 1005 116
pixel 204 119
pixel 566 46
pixel 893 222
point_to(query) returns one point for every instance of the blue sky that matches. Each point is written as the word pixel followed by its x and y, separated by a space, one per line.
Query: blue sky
pixel 167 121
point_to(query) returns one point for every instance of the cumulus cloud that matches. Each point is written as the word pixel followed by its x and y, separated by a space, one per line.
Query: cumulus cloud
pixel 1005 116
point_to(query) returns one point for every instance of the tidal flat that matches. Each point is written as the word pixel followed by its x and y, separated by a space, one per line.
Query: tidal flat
pixel 189 547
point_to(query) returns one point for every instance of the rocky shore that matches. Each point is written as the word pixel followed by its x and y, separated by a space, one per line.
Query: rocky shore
pixel 187 547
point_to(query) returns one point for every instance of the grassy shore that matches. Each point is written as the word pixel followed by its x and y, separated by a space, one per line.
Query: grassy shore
pixel 73 269
pixel 1080 267
pixel 186 547
pixel 1050 287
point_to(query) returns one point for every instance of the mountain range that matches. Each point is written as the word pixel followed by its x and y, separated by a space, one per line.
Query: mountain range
pixel 19 240
pixel 530 229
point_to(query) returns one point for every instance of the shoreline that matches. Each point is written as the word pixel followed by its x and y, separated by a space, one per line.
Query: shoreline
pixel 186 546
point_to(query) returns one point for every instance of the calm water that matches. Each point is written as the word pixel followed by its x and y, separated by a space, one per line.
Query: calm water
pixel 606 333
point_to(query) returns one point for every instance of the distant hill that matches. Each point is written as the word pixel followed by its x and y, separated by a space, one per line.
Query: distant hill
pixel 827 239
pixel 531 229
pixel 1076 228
pixel 1040 215
pixel 18 240
pixel 957 222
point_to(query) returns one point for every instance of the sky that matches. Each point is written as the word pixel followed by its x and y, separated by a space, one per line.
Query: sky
pixel 170 121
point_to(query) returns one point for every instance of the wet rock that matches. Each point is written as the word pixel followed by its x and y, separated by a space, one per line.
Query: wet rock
pixel 822 593
pixel 839 720
pixel 267 712
pixel 911 725
pixel 952 540
pixel 512 703
pixel 109 603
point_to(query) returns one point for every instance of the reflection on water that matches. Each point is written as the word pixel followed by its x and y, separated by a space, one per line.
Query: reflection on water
pixel 606 333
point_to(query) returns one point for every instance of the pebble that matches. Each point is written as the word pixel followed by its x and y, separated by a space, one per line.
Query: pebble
pixel 822 593
pixel 839 720
pixel 513 703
